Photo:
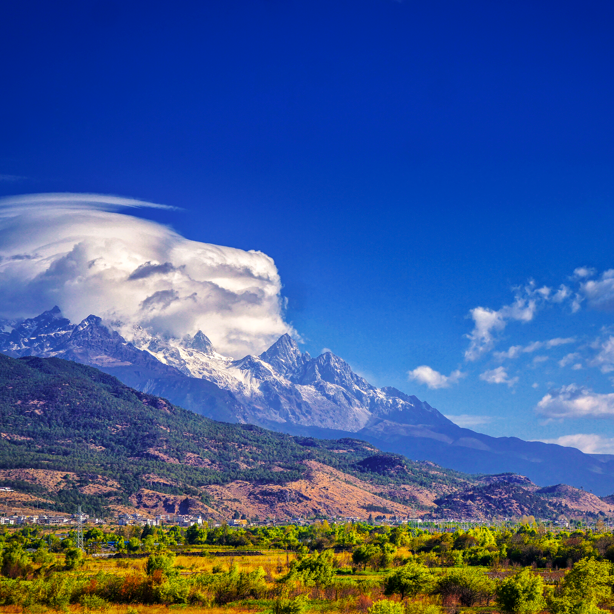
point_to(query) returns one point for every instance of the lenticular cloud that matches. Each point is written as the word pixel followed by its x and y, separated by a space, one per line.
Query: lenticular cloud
pixel 78 252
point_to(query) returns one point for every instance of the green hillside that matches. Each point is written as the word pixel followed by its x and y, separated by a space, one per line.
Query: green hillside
pixel 63 416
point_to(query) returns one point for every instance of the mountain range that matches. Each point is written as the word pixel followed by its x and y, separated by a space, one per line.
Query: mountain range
pixel 71 434
pixel 286 390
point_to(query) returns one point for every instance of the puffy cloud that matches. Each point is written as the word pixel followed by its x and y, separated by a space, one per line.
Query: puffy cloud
pixel 604 360
pixel 561 294
pixel 600 293
pixel 488 322
pixel 589 444
pixel 584 271
pixel 433 379
pixel 498 376
pixel 576 402
pixel 468 421
pixel 79 252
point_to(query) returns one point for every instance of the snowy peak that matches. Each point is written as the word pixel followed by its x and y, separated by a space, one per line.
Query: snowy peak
pixel 199 342
pixel 330 368
pixel 282 385
pixel 35 336
pixel 255 366
pixel 284 356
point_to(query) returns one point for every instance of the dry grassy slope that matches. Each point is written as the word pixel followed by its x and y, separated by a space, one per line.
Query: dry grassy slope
pixel 324 490
pixel 578 500
pixel 499 498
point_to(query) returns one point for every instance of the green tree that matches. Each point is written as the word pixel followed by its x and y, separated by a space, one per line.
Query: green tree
pixel 314 570
pixel 466 585
pixel 522 593
pixel 583 588
pixel 164 563
pixel 408 581
pixel 74 558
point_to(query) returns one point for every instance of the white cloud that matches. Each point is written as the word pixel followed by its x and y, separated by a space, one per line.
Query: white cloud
pixel 600 293
pixel 568 359
pixel 576 402
pixel 468 421
pixel 605 358
pixel 488 322
pixel 516 350
pixel 584 271
pixel 433 379
pixel 589 444
pixel 79 252
pixel 498 376
pixel 561 294
pixel 539 359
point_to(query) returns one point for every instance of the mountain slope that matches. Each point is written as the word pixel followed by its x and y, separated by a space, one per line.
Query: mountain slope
pixel 71 433
pixel 289 391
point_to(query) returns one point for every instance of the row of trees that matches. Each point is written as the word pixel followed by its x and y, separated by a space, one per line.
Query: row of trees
pixel 374 547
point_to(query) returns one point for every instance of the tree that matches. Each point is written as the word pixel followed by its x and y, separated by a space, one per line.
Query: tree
pixel 365 554
pixel 74 558
pixel 466 585
pixel 316 569
pixel 583 588
pixel 521 594
pixel 408 581
pixel 161 562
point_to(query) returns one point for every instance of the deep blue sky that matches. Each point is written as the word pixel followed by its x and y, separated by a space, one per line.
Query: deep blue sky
pixel 403 162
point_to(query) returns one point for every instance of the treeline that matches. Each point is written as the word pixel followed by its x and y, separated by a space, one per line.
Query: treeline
pixel 420 572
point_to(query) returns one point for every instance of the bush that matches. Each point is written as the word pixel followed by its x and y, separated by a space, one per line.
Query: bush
pixel 93 602
pixel 290 606
pixel 465 585
pixel 162 563
pixel 74 558
pixel 314 570
pixel 583 588
pixel 408 581
pixel 233 585
pixel 385 606
pixel 15 563
pixel 521 594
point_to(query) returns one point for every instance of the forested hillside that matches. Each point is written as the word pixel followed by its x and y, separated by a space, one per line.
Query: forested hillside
pixel 112 443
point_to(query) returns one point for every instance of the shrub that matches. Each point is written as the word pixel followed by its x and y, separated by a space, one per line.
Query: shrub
pixel 290 606
pixel 93 602
pixel 314 570
pixel 583 588
pixel 74 558
pixel 466 585
pixel 408 581
pixel 162 563
pixel 385 606
pixel 521 594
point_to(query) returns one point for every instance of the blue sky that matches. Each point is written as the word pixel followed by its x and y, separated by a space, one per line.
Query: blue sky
pixel 403 163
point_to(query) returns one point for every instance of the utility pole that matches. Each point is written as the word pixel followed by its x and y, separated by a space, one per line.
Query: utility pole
pixel 80 530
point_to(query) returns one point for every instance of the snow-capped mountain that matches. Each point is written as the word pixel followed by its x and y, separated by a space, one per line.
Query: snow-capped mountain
pixel 287 390
pixel 282 385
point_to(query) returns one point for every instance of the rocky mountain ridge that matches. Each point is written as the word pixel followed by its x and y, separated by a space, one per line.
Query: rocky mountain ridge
pixel 289 391
pixel 71 434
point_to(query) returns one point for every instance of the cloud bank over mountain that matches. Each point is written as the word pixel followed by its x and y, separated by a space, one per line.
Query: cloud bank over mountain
pixel 80 252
